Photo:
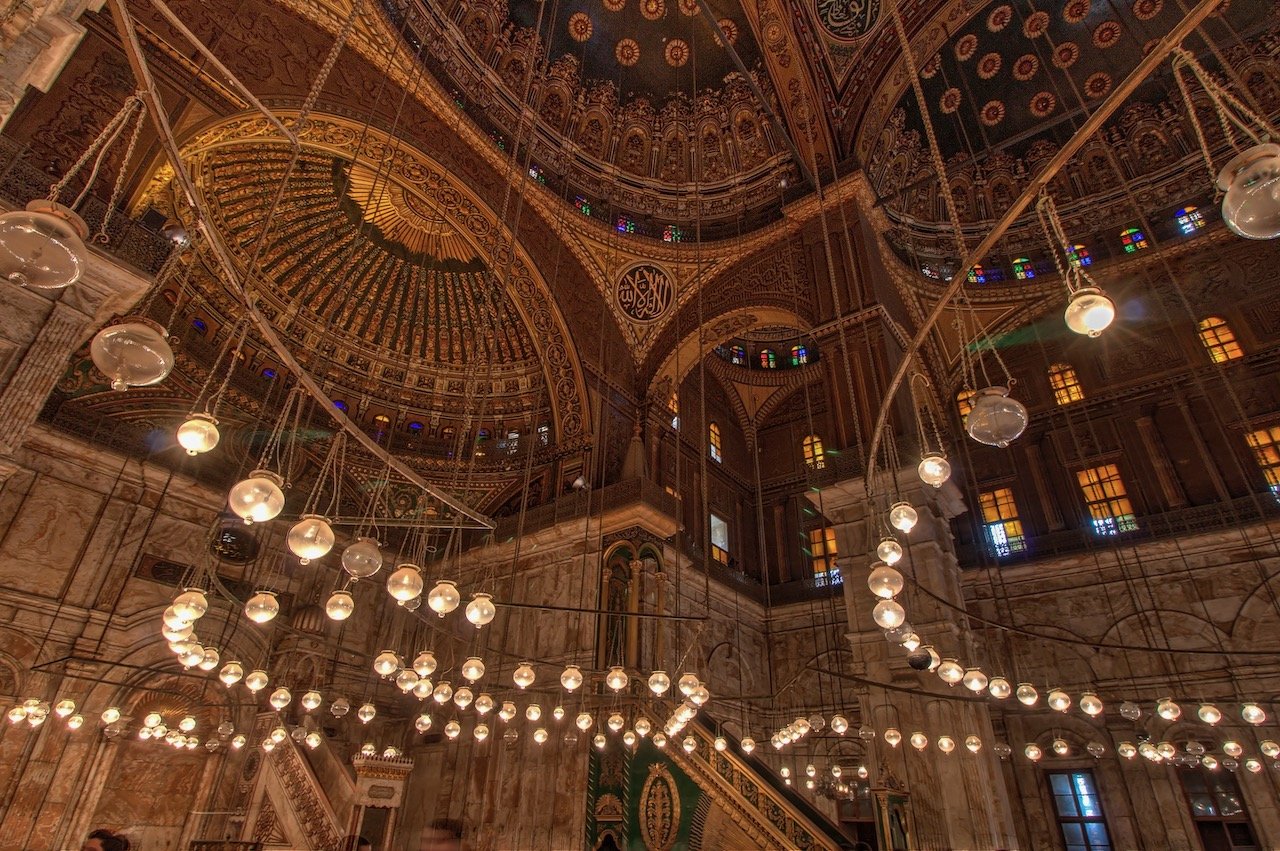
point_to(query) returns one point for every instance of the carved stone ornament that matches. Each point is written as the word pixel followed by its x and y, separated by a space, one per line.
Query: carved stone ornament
pixel 659 809
pixel 644 292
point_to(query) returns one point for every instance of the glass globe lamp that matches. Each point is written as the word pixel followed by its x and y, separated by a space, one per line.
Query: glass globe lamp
pixel 946 744
pixel 1027 694
pixel 643 726
pixel 1252 713
pixel 191 604
pixel 340 605
pixel 996 419
pixel 1253 766
pixel 1232 749
pixel 571 678
pixel 1130 711
pixel 362 558
pixel 75 722
pixel 481 611
pixel 366 713
pixel 231 673
pixel 132 352
pixel 313 740
pixel 1089 311
pixel 747 744
pixel 463 697
pixel 1059 700
pixel 690 744
pixel 934 469
pixel 180 634
pixel 1002 750
pixel 1033 752
pixel 616 722
pixel 1194 748
pixel 889 551
pixel 481 732
pixel 950 672
pixel 1269 749
pixel 424 664
pixel 1209 762
pixel 64 707
pixel 42 247
pixel 172 620
pixel 268 744
pixel 110 715
pixel 687 683
pixel 386 663
pixel 405 584
pixel 919 740
pixel 407 680
pixel 484 704
pixel 280 698
pixel 256 681
pixel 452 729
pixel 659 682
pixel 340 707
pixel 600 741
pixel 523 676
pixel 423 688
pixel 311 538
pixel 1168 710
pixel 903 517
pixel 193 655
pixel 975 680
pixel 1090 704
pixel 1251 205
pixel 258 498
pixel 558 713
pixel 583 721
pixel 884 582
pixel 700 695
pixel 839 724
pixel 1060 747
pixel 973 743
pixel 867 733
pixel 473 669
pixel 198 434
pixel 999 688
pixel 1209 713
pixel 443 692
pixel 508 711
pixel 617 678
pixel 888 614
pixel 910 642
pixel 422 723
pixel 444 597
pixel 368 749
pixel 311 700
pixel 1166 750
pixel 1096 749
pixel 210 660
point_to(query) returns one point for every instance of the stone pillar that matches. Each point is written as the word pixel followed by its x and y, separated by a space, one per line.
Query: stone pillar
pixel 37 37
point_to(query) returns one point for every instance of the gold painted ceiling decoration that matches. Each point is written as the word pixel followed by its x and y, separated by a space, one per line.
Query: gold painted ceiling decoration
pixel 406 219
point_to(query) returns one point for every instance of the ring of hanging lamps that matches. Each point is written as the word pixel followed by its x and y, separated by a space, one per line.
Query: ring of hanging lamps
pixel 473 669
pixel 533 712
pixel 973 743
pixel 1033 752
pixel 995 418
pixel 405 583
pixel 1089 311
pixel 934 469
pixel 257 498
pixel 946 744
pixel 481 732
pixel 313 740
pixel 193 656
pixel 583 721
pixel 1232 749
pixel 558 713
pixel 1251 206
pixel 1269 749
pixel 892 737
pixel 199 433
pixel 173 619
pixel 262 607
pixel 362 558
pixel 642 726
pixel 616 722
pixel 889 550
pixel 340 605
pixel 422 723
pixel 1209 713
pixel 481 611
pixel 310 538
pixel 903 517
pixel 1060 747
pixel 191 604
pixel 919 740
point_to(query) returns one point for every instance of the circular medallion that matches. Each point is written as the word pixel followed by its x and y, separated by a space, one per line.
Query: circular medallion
pixel 1066 54
pixel 992 113
pixel 1035 24
pixel 730 30
pixel 628 52
pixel 1075 11
pixel 689 7
pixel 1026 67
pixel 999 18
pixel 580 26
pixel 989 65
pixel 1098 85
pixel 1145 10
pixel 614 5
pixel 676 53
pixel 845 20
pixel 653 9
pixel 1043 104
pixel 966 46
pixel 950 100
pixel 644 292
pixel 1107 34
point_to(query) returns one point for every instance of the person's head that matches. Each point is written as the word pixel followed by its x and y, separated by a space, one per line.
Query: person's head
pixel 441 835
pixel 105 840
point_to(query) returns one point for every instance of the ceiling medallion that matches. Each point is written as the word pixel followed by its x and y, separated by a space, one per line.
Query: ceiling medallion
pixel 993 113
pixel 1145 10
pixel 644 292
pixel 950 100
pixel 580 27
pixel 1066 54
pixel 1107 34
pixel 1026 67
pixel 989 65
pixel 730 31
pixel 1042 104
pixel 614 5
pixel 999 18
pixel 677 52
pixel 1035 24
pixel 653 9
pixel 966 47
pixel 689 7
pixel 1075 11
pixel 1098 85
pixel 628 52
pixel 846 21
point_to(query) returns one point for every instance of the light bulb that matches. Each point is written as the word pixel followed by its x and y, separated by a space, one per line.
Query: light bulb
pixel 884 582
pixel 110 715
pixel 280 698
pixel 191 604
pixel 231 673
pixel 311 700
pixel 1168 710
pixel 481 732
pixel 422 723
pixel 934 469
pixel 523 676
pixel 946 744
pixel 1027 694
pixel 386 663
pixel 973 743
pixel 132 352
pixel 629 739
pixel 462 697
pixel 643 726
pixel 1089 311
pixel 75 722
pixel 903 517
pixel 617 678
pixel 340 605
pixel 919 740
pixel 258 498
pixel 1269 749
pixel 687 683
pixel 659 682
pixel 571 678
pixel 407 680
pixel 583 721
pixel 1251 205
pixel 473 669
pixel 839 724
pixel 444 597
pixel 481 611
pixel 1059 700
pixel 996 419
pixel 405 584
pixel 700 695
pixel 310 538
pixel 999 688
pixel 443 692
pixel 975 680
pixel 1033 752
pixel 366 713
pixel 888 614
pixel 362 558
pixel 210 660
pixel 1252 713
pixel 1232 749
pixel 452 729
pixel 892 737
pixel 950 672
pixel 508 711
pixel 747 744
pixel 600 741
pixel 889 551
pixel 484 704
pixel 1090 704
pixel 1060 747
pixel 1209 713
pixel 616 722
pixel 689 744
pixel 256 681
pixel 42 247
pixel 262 607
pixel 198 434
pixel 313 740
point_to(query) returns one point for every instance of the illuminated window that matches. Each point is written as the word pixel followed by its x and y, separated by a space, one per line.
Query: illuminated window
pixel 583 205
pixel 1218 809
pixel 1133 240
pixel 671 233
pixel 1190 220
pixel 1022 269
pixel 498 141
pixel 1000 515
pixel 536 174
pixel 799 355
pixel 823 553
pixel 1078 255
pixel 544 434
pixel 340 405
pixel 964 402
pixel 738 355
pixel 719 539
pixel 1079 811
pixel 768 360
pixel 382 421
pixel 1065 384
pixel 811 449
pixel 931 271
pixel 1265 443
pixel 673 408
pixel 513 442
pixel 977 275
pixel 1218 339
pixel 713 440
pixel 1107 500
pixel 415 427
pixel 626 224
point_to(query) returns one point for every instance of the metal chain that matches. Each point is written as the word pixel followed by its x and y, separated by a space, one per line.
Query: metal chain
pixel 322 76
pixel 1222 98
pixel 104 139
pixel 1195 125
pixel 102 238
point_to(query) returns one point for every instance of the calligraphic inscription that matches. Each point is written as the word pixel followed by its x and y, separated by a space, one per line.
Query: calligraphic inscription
pixel 644 292
pixel 848 19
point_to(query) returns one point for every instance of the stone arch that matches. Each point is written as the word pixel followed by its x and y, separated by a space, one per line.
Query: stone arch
pixel 593 133
pixel 633 153
pixel 1257 615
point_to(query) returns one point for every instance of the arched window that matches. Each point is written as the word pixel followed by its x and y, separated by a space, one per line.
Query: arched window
pixel 1190 220
pixel 977 275
pixel 382 422
pixel 1022 269
pixel 738 355
pixel 673 408
pixel 811 449
pixel 713 442
pixel 768 360
pixel 1079 256
pixel 964 402
pixel 1218 339
pixel 1133 240
pixel 1065 384
pixel 799 355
